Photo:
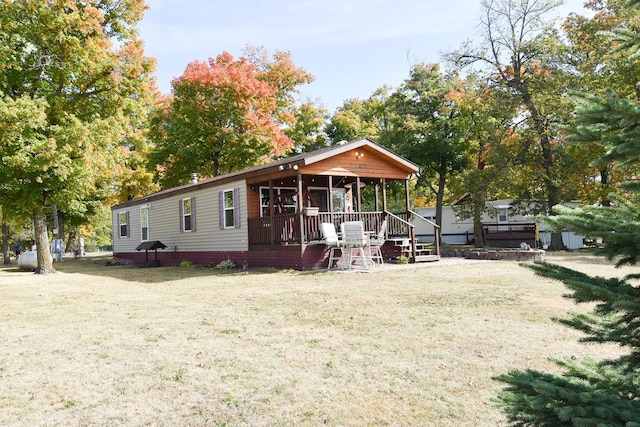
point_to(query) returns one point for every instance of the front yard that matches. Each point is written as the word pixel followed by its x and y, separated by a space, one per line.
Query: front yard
pixel 170 346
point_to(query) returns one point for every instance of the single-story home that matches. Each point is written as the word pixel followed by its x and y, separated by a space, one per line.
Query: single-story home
pixel 503 226
pixel 270 215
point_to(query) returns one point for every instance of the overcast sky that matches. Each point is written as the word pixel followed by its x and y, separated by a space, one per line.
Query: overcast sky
pixel 352 47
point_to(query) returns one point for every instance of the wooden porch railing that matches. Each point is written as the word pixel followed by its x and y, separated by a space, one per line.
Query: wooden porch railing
pixel 285 229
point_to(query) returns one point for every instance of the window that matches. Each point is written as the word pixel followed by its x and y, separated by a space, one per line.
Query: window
pixel 285 200
pixel 123 221
pixel 339 199
pixel 188 215
pixel 320 197
pixel 228 208
pixel 503 215
pixel 229 204
pixel 144 223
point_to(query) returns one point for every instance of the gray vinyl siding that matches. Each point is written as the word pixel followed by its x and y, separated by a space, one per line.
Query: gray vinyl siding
pixel 164 223
pixel 127 244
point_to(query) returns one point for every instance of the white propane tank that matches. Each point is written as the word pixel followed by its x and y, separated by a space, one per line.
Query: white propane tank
pixel 29 260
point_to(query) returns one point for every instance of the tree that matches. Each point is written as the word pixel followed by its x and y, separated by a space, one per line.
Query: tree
pixel 522 54
pixel 360 119
pixel 591 393
pixel 427 126
pixel 224 115
pixel 600 70
pixel 489 134
pixel 74 85
pixel 308 133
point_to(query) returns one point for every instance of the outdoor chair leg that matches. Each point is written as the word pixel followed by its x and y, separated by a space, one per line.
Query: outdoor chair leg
pixel 363 255
pixel 360 254
pixel 375 255
pixel 332 256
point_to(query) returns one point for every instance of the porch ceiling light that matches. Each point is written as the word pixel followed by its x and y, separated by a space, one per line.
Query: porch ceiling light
pixel 293 166
pixel 359 155
pixel 351 184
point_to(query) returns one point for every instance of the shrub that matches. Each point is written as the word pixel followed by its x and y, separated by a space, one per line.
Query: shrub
pixel 402 260
pixel 225 265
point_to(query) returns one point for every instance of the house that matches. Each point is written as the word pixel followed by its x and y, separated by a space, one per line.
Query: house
pixel 270 215
pixel 503 226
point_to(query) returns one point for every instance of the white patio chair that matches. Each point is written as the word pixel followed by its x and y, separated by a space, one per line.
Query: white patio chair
pixel 332 241
pixel 376 242
pixel 355 240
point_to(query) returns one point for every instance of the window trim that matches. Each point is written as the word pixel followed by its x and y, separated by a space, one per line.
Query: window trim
pixel 142 221
pixel 191 215
pixel 223 209
pixel 126 224
pixel 226 209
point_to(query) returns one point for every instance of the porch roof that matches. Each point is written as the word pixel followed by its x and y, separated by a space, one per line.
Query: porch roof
pixel 283 166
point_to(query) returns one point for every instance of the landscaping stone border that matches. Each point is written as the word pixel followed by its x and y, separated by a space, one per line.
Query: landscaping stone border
pixel 497 254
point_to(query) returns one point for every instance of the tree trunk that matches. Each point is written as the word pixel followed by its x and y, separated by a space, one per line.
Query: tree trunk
pixel 45 262
pixel 556 243
pixel 5 244
pixel 478 236
pixel 71 239
pixel 479 198
pixel 604 183
pixel 440 199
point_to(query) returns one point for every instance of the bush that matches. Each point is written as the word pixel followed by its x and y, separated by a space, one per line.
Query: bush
pixel 225 265
pixel 402 260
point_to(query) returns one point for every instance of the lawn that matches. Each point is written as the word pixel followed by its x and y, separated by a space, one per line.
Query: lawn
pixel 101 345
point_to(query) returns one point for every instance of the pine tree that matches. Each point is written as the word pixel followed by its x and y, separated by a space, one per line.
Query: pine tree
pixel 595 393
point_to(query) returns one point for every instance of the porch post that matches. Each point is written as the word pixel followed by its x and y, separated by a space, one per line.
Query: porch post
pixel 272 210
pixel 300 213
pixel 384 194
pixel 359 200
pixel 331 197
pixel 376 203
pixel 412 231
pixel 406 194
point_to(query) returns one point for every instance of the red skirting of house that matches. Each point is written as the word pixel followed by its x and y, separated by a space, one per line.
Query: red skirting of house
pixel 289 257
pixel 285 257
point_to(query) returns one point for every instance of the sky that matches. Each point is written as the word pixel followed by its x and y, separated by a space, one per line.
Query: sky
pixel 352 47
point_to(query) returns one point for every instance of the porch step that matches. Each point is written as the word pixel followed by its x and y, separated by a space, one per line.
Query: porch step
pixel 424 251
pixel 427 258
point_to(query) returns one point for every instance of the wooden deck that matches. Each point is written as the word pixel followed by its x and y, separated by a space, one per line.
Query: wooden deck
pixel 509 235
pixel 295 230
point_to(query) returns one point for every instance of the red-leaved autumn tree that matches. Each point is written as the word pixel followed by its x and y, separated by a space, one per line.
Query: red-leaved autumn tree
pixel 224 115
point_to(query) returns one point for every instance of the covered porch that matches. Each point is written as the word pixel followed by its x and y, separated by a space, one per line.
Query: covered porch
pixel 287 208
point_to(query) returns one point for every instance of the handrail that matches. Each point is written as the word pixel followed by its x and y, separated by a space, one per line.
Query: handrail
pixel 436 230
pixel 410 231
pixel 423 219
pixel 397 218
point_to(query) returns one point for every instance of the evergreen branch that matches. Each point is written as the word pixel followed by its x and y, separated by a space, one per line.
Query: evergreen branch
pixel 534 398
